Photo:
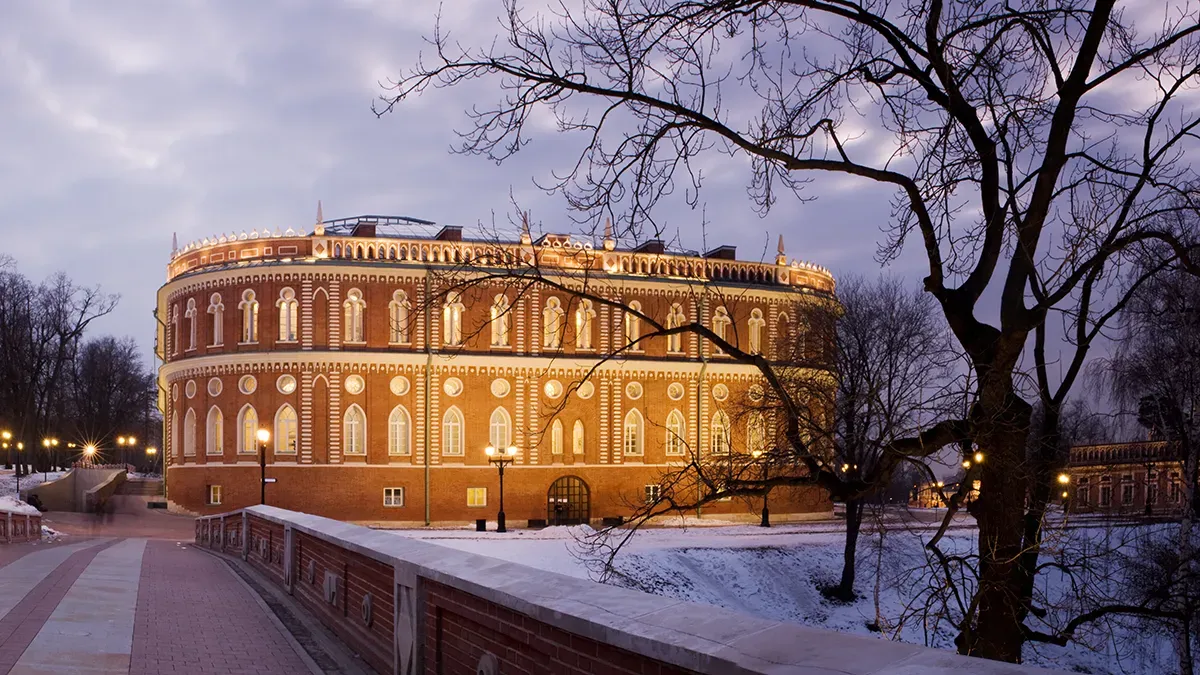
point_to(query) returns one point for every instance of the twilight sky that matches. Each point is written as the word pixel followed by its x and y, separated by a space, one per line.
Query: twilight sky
pixel 123 122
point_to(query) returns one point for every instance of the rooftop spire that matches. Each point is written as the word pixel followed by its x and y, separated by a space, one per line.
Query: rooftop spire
pixel 609 242
pixel 319 230
pixel 781 257
pixel 525 238
pixel 174 243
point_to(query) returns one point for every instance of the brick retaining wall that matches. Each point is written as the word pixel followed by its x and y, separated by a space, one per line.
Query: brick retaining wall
pixel 19 527
pixel 409 606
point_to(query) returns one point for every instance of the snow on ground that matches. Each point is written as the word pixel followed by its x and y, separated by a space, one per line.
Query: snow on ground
pixel 8 481
pixel 776 574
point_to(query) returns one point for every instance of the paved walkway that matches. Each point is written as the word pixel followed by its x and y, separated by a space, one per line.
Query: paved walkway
pixel 107 605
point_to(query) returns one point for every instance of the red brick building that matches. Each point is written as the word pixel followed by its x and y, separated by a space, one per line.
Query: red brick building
pixel 380 411
pixel 1138 478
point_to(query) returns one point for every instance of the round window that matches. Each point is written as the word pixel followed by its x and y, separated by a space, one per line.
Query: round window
pixel 399 385
pixel 586 390
pixel 675 391
pixel 286 384
pixel 500 387
pixel 355 384
pixel 190 389
pixel 453 386
pixel 215 387
pixel 175 392
pixel 634 390
pixel 247 384
pixel 553 389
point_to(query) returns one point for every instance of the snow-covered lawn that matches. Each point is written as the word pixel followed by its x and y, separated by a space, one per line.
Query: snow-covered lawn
pixel 776 573
pixel 8 481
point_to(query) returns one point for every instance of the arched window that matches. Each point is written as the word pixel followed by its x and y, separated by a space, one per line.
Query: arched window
pixel 556 438
pixel 500 429
pixel 399 432
pixel 398 318
pixel 216 310
pixel 176 337
pixel 577 438
pixel 189 433
pixel 249 309
pixel 286 430
pixel 675 433
pixel 553 324
pixel 354 431
pixel 289 315
pixel 634 441
pixel 247 430
pixel 190 315
pixel 633 326
pixel 756 433
pixel 783 339
pixel 585 317
pixel 719 440
pixel 720 325
pixel 755 325
pixel 501 319
pixel 675 319
pixel 214 432
pixel 176 445
pixel 452 318
pixel 352 316
pixel 452 433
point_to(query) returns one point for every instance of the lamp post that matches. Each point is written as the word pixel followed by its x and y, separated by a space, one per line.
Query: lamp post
pixel 5 437
pixel 766 514
pixel 89 453
pixel 501 458
pixel 1064 480
pixel 153 453
pixel 263 437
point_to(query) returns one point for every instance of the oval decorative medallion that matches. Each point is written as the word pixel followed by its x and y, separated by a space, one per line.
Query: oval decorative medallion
pixel 190 389
pixel 215 387
pixel 247 384
pixel 720 392
pixel 355 384
pixel 675 391
pixel 500 387
pixel 399 385
pixel 585 390
pixel 553 389
pixel 452 386
pixel 634 390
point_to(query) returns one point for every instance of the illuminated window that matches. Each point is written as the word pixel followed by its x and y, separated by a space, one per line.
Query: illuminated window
pixel 719 441
pixel 755 325
pixel 452 433
pixel 398 319
pixel 553 324
pixel 675 319
pixel 214 431
pixel 675 431
pixel 500 429
pixel 556 438
pixel 352 316
pixel 577 438
pixel 585 317
pixel 501 320
pixel 399 434
pixel 214 495
pixel 354 431
pixel 189 433
pixel 249 310
pixel 289 315
pixel 286 430
pixel 477 496
pixel 633 432
pixel 247 430
pixel 452 317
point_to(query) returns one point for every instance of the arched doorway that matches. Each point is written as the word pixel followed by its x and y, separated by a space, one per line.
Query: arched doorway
pixel 568 502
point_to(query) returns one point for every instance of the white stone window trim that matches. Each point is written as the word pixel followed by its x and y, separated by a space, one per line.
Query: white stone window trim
pixel 476 492
pixel 393 497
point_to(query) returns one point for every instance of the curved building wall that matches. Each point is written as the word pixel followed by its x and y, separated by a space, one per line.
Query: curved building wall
pixel 378 404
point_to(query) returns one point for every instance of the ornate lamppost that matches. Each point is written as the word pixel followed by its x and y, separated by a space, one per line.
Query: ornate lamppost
pixel 766 514
pixel 153 453
pixel 501 458
pixel 263 436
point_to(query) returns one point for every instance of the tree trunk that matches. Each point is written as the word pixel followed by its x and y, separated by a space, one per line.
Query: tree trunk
pixel 854 511
pixel 1002 427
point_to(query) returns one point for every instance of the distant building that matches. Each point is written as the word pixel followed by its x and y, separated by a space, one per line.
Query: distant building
pixel 936 494
pixel 1137 478
pixel 380 411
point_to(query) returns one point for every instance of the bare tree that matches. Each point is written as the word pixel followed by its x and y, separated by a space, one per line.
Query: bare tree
pixel 111 390
pixel 40 329
pixel 1017 160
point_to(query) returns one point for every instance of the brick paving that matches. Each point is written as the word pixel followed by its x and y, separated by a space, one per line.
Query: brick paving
pixel 21 625
pixel 194 616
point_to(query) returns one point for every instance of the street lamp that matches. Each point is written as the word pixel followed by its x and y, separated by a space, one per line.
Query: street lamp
pixel 89 453
pixel 979 458
pixel 153 452
pixel 766 514
pixel 501 458
pixel 263 437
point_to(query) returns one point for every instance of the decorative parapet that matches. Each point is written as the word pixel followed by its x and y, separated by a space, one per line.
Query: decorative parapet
pixel 20 525
pixel 356 239
pixel 410 606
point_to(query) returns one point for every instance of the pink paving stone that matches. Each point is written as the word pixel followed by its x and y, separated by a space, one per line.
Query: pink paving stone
pixel 194 616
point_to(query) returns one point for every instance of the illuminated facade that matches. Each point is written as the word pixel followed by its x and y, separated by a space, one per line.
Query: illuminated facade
pixel 380 411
